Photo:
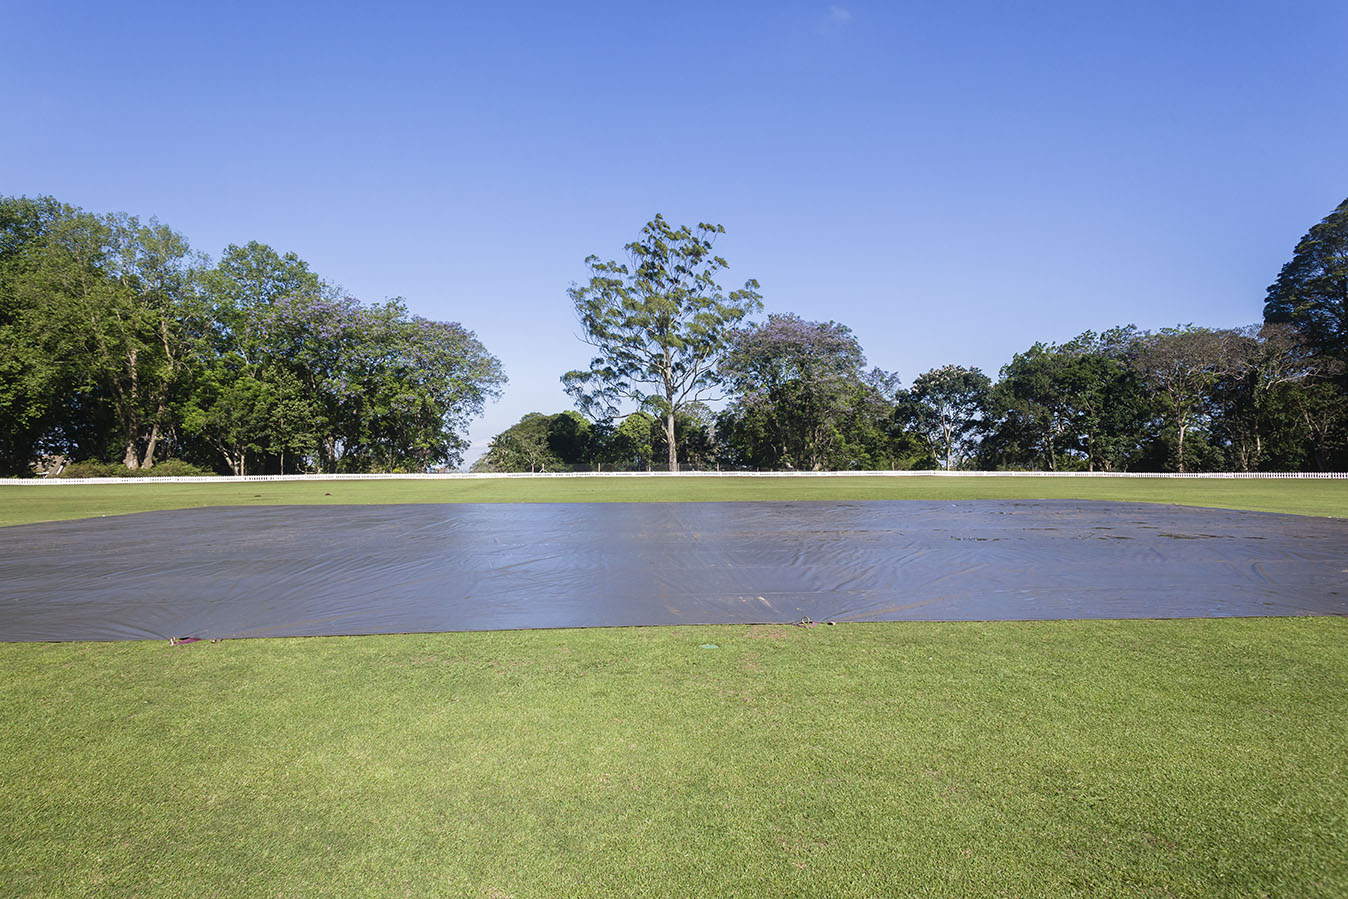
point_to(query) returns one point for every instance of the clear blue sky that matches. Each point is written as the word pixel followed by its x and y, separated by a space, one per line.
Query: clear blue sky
pixel 953 181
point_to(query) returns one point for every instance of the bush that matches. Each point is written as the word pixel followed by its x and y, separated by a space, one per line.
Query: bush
pixel 169 468
pixel 92 469
pixel 176 468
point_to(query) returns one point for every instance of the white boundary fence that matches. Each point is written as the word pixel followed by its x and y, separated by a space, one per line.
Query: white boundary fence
pixel 456 475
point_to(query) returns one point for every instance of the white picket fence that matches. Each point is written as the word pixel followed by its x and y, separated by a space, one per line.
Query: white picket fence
pixel 457 475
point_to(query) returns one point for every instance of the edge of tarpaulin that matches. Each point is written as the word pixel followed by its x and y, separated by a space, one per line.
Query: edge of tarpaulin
pixel 622 627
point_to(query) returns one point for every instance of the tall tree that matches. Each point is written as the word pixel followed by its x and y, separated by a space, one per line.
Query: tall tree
pixel 120 292
pixel 1311 292
pixel 1070 404
pixel 521 447
pixel 658 323
pixel 1251 400
pixel 254 396
pixel 803 398
pixel 947 406
pixel 1182 367
pixel 41 338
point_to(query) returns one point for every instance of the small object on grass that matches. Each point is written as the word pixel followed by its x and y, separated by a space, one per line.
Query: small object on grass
pixel 179 641
pixel 805 622
pixel 709 646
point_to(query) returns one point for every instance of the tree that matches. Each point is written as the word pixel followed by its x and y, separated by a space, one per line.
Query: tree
pixel 114 295
pixel 1032 408
pixel 695 429
pixel 659 325
pixel 230 414
pixel 571 438
pixel 521 447
pixel 1182 367
pixel 120 344
pixel 409 387
pixel 1068 404
pixel 947 405
pixel 1311 292
pixel 1251 399
pixel 803 398
pixel 39 334
pixel 632 444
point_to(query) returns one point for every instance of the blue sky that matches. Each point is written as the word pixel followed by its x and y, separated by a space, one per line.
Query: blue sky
pixel 953 181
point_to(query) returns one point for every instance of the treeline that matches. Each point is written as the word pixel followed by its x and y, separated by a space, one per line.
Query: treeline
pixel 124 348
pixel 798 394
pixel 1181 399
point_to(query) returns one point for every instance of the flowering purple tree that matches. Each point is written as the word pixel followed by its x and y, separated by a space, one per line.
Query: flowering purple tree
pixel 803 398
pixel 305 373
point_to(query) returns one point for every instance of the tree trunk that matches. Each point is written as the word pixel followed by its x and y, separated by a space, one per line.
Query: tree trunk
pixel 148 461
pixel 1182 429
pixel 669 439
pixel 131 458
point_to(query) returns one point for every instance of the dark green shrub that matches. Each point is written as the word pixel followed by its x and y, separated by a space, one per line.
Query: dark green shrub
pixel 169 468
pixel 175 468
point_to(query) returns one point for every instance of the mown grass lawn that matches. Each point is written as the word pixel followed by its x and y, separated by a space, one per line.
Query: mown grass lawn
pixel 1138 758
pixel 1177 758
pixel 54 502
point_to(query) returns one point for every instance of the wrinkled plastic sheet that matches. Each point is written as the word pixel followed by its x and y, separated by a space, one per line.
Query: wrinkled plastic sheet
pixel 330 570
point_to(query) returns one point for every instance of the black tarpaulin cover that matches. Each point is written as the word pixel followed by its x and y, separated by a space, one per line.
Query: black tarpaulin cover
pixel 311 570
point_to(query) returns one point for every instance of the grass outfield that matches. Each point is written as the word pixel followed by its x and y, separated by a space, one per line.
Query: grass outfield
pixel 1177 758
pixel 26 504
pixel 1167 758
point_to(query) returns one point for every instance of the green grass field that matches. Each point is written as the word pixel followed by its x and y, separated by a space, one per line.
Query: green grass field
pixel 1138 758
pixel 1179 758
pixel 26 504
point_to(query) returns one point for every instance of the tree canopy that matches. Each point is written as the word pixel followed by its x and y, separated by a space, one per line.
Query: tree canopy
pixel 658 324
pixel 947 406
pixel 130 347
pixel 803 399
pixel 1311 292
pixel 126 350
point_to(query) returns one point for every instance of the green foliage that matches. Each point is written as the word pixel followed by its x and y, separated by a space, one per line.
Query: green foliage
pixel 571 438
pixel 168 468
pixel 1074 406
pixel 33 382
pixel 632 444
pixel 803 399
pixel 126 346
pixel 1311 292
pixel 658 324
pixel 1182 368
pixel 947 406
pixel 524 446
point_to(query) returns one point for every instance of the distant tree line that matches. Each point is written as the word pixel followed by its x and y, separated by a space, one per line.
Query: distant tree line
pixel 798 394
pixel 126 351
pixel 124 348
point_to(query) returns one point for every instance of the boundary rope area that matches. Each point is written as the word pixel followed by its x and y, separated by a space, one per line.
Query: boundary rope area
pixel 462 475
